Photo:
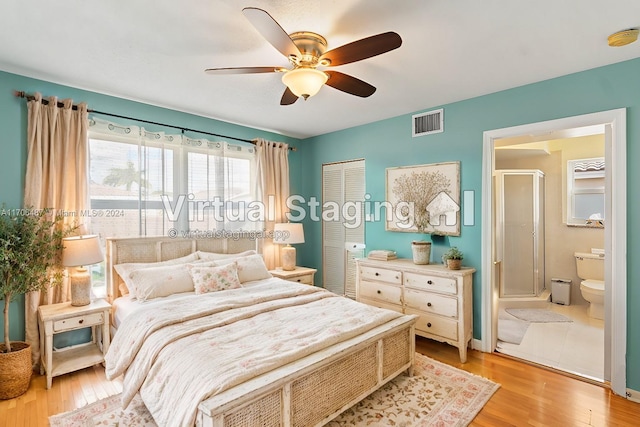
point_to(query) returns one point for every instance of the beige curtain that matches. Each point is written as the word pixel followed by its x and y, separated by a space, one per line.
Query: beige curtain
pixel 273 188
pixel 56 178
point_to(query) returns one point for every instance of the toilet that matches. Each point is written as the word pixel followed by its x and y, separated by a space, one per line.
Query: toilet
pixel 590 269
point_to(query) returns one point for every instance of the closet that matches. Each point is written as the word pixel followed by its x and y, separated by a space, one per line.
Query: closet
pixel 343 195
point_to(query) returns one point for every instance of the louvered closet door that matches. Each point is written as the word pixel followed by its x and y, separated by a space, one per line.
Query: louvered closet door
pixel 342 183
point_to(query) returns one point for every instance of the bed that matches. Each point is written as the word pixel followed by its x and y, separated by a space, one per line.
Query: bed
pixel 203 355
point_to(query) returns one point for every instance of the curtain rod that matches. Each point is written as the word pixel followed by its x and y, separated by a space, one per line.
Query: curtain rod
pixel 29 97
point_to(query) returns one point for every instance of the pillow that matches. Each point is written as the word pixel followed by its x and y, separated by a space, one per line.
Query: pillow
pixel 125 270
pixel 249 267
pixel 212 256
pixel 155 282
pixel 213 279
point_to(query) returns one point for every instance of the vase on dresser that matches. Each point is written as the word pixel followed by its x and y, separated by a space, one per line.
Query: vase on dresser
pixel 421 251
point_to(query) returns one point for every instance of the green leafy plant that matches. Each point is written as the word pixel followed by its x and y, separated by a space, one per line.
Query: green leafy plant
pixel 453 253
pixel 30 246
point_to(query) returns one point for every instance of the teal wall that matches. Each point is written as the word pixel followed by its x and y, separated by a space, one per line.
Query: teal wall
pixel 388 143
pixel 13 149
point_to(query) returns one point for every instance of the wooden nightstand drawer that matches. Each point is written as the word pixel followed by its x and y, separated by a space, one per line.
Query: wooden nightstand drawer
pixel 303 275
pixel 381 274
pixel 430 283
pixel 307 279
pixel 78 322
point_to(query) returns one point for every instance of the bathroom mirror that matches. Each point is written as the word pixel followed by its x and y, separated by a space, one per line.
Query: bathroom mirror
pixel 585 192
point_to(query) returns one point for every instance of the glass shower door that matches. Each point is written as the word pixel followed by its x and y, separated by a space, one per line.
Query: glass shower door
pixel 519 200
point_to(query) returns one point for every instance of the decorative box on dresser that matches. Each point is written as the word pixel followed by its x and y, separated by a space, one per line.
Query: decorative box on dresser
pixel 442 298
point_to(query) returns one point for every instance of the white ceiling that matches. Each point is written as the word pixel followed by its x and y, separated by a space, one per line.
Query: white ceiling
pixel 155 51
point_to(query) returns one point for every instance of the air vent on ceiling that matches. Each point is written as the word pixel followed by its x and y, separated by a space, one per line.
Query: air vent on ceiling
pixel 428 123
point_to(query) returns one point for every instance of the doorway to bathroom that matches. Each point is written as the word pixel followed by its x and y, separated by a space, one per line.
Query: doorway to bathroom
pixel 547 147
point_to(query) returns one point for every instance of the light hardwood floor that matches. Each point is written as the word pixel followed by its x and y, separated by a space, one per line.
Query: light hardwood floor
pixel 528 396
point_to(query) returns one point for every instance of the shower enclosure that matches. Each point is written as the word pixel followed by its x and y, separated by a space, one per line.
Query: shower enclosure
pixel 519 232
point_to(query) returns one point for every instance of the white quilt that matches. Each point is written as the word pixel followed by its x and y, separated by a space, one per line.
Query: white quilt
pixel 180 353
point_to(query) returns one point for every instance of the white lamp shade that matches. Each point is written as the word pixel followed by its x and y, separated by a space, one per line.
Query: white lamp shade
pixel 304 82
pixel 288 233
pixel 81 250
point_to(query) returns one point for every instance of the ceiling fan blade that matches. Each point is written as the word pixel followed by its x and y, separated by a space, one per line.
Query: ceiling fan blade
pixel 349 84
pixel 243 70
pixel 288 97
pixel 272 31
pixel 363 48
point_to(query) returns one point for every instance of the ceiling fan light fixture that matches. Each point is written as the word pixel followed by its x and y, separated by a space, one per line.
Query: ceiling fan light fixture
pixel 304 82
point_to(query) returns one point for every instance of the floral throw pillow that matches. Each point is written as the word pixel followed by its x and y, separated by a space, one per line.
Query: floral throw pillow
pixel 211 279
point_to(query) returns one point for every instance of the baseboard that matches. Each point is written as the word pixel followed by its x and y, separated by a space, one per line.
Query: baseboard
pixel 633 395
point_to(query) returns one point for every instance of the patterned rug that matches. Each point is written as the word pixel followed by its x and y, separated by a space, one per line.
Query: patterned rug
pixel 437 394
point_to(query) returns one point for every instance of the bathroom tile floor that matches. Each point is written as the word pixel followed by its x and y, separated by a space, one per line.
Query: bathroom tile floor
pixel 576 347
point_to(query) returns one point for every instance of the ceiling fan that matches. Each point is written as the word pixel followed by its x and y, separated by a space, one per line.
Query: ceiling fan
pixel 306 51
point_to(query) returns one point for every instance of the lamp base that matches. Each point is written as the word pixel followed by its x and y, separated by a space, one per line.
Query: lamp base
pixel 80 283
pixel 288 254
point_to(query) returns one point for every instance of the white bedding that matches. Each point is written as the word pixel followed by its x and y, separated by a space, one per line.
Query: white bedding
pixel 125 305
pixel 181 351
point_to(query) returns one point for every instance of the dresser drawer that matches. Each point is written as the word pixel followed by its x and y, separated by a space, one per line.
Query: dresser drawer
pixel 381 304
pixel 431 302
pixel 78 322
pixel 432 324
pixel 430 283
pixel 381 292
pixel 380 274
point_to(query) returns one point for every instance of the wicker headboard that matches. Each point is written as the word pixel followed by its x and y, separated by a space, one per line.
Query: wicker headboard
pixel 154 249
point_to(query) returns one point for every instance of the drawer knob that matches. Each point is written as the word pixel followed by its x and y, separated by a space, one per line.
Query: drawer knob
pixel 429 282
pixel 379 291
pixel 377 274
pixel 429 325
pixel 80 321
pixel 428 304
pixel 299 280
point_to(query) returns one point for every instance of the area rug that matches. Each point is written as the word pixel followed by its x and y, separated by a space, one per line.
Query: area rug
pixel 512 330
pixel 437 394
pixel 537 315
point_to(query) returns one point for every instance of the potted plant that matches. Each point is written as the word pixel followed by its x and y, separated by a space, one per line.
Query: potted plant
pixel 30 245
pixel 453 258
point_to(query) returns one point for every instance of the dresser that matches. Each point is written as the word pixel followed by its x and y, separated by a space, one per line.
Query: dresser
pixel 441 298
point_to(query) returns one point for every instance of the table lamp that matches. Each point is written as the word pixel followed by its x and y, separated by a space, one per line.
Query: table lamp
pixel 288 234
pixel 80 251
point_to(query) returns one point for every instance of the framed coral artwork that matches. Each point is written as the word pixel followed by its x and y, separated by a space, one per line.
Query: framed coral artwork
pixel 424 199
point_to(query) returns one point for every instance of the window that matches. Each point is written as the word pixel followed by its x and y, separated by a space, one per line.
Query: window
pixel 127 181
pixel 145 183
pixel 585 190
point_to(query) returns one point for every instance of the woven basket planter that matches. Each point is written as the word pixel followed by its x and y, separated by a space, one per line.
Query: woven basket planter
pixel 454 264
pixel 15 370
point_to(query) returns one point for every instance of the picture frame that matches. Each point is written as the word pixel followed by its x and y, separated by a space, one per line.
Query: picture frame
pixel 424 199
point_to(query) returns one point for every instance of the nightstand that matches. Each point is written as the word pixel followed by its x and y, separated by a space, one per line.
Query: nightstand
pixel 63 317
pixel 299 274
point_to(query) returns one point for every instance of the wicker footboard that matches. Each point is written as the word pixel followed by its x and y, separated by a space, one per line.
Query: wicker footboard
pixel 317 388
